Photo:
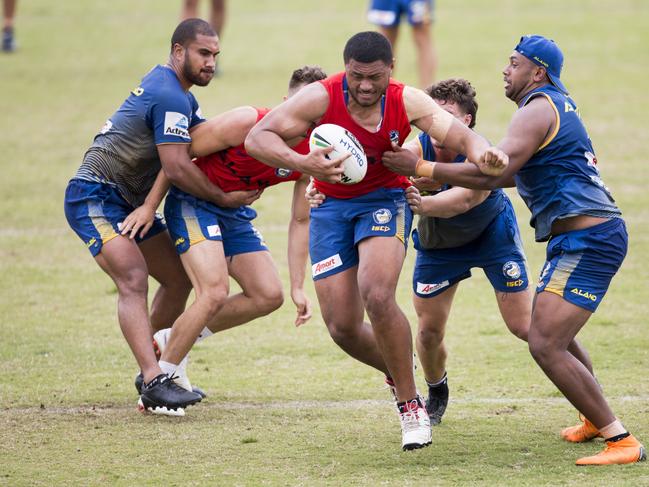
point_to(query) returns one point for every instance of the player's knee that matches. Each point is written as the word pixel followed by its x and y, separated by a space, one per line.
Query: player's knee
pixel 520 329
pixel 341 332
pixel 270 300
pixel 541 346
pixel 377 300
pixel 212 298
pixel 135 282
pixel 430 336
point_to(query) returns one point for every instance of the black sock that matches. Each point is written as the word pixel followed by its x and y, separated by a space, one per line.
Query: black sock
pixel 618 437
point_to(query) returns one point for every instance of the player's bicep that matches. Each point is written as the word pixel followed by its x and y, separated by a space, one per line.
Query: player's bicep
pixel 294 117
pixel 226 130
pixel 172 156
pixel 527 131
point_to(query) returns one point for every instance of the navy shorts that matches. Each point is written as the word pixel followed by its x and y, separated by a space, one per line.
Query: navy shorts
pixel 95 211
pixel 337 226
pixel 387 13
pixel 498 251
pixel 192 220
pixel 580 264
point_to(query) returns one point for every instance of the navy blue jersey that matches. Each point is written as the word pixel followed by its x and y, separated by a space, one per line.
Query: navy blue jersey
pixel 561 179
pixel 124 153
pixel 443 233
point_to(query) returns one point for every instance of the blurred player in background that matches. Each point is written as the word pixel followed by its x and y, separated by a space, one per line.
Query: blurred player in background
pixel 216 17
pixel 386 14
pixel 553 165
pixel 214 241
pixel 151 129
pixel 358 236
pixel 8 38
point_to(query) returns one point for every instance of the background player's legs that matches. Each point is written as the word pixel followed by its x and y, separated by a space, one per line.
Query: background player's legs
pixel 189 10
pixel 217 16
pixel 165 267
pixel 206 267
pixel 342 311
pixel 432 314
pixel 426 53
pixel 555 322
pixel 122 260
pixel 8 11
pixel 380 262
pixel 261 291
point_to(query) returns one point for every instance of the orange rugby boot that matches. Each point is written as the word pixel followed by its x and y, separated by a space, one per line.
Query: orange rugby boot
pixel 585 431
pixel 626 450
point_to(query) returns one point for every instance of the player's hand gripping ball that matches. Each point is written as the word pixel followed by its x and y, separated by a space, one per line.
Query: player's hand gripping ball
pixel 343 142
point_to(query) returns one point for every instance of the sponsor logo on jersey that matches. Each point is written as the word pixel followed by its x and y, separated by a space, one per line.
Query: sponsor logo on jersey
pixel 213 230
pixel 382 216
pixel 326 265
pixel 281 172
pixel 512 270
pixel 424 288
pixel 380 228
pixel 584 294
pixel 138 91
pixel 394 136
pixel 517 283
pixel 176 124
pixel 590 158
pixel 107 126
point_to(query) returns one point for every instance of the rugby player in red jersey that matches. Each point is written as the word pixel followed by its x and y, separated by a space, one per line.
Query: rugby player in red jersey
pixel 358 236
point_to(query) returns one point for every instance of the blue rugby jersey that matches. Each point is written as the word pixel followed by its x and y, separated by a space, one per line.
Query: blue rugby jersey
pixel 124 152
pixel 561 179
pixel 441 233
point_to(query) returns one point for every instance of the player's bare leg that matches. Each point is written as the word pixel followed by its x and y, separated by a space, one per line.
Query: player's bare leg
pixel 122 260
pixel 426 53
pixel 343 313
pixel 207 270
pixel 259 296
pixel 165 267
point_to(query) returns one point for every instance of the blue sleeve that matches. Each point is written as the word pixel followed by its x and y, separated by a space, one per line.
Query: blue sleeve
pixel 197 116
pixel 169 114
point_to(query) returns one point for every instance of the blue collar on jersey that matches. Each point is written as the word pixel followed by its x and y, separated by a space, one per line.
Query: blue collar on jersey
pixel 346 95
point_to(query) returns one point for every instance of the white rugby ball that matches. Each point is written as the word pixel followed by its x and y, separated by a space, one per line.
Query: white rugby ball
pixel 343 142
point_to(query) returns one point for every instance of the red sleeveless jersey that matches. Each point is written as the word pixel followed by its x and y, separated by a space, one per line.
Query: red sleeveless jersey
pixel 395 126
pixel 233 169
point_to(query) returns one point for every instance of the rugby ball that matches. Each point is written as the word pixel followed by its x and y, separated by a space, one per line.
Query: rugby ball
pixel 343 142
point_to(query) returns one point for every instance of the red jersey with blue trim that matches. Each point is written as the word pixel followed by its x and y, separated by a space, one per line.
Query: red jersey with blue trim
pixel 233 169
pixel 395 127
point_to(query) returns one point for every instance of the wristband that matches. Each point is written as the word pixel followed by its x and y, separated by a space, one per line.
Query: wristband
pixel 425 169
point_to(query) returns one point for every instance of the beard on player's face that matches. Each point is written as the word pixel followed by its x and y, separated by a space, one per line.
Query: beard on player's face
pixel 196 75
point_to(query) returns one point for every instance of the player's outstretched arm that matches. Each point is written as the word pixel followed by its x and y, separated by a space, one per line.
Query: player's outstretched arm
pixel 298 250
pixel 226 130
pixel 292 119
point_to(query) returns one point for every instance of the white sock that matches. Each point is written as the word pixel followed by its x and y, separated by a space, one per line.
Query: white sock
pixel 206 333
pixel 614 429
pixel 167 368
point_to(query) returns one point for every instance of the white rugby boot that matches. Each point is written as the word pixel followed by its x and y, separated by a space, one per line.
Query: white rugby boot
pixel 415 425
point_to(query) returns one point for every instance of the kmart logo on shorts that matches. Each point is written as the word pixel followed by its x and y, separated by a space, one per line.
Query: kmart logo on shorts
pixel 424 288
pixel 326 265
pixel 213 230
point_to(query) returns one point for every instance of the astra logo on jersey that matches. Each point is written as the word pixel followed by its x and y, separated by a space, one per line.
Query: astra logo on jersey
pixel 584 294
pixel 512 270
pixel 176 124
pixel 326 265
pixel 424 288
pixel 107 126
pixel 281 172
pixel 382 216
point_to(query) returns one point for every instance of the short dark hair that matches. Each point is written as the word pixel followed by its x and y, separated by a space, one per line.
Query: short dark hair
pixel 367 47
pixel 306 75
pixel 459 91
pixel 187 31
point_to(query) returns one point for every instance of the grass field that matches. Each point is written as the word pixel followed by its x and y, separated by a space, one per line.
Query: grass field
pixel 286 406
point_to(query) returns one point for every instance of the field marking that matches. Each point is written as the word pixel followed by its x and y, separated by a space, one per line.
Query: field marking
pixel 278 405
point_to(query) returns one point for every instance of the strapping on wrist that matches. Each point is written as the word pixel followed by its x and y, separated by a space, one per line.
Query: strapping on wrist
pixel 425 168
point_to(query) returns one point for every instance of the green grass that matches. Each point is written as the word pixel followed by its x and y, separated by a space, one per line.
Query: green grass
pixel 286 406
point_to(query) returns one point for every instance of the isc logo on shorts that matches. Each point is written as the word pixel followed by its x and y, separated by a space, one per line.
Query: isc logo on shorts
pixel 423 288
pixel 326 265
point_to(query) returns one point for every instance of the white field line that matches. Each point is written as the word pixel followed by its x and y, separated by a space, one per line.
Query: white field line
pixel 280 405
